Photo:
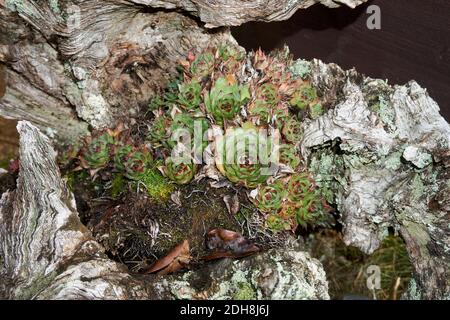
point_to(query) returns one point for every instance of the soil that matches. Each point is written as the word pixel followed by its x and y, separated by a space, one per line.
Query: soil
pixel 137 230
pixel 9 142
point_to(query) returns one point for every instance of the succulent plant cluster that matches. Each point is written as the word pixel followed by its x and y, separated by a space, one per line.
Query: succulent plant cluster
pixel 113 152
pixel 224 89
pixel 291 202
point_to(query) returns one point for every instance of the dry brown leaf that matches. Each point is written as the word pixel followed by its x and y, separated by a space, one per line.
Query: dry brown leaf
pixel 228 244
pixel 117 131
pixel 178 258
pixel 232 204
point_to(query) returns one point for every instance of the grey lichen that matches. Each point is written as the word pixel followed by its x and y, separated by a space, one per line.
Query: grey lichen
pixel 301 68
pixel 379 151
pixel 286 274
pixel 417 156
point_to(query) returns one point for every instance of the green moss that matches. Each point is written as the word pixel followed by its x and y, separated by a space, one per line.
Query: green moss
pixel 157 186
pixel 275 223
pixel 118 184
pixel 4 161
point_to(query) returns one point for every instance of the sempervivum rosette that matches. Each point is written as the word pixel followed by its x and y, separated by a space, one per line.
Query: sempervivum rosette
pixel 158 134
pixel 131 161
pixel 242 156
pixel 186 126
pixel 266 99
pixel 289 156
pixel 305 99
pixel 202 66
pixel 181 171
pixel 190 95
pixel 292 130
pixel 224 100
pixel 97 153
pixel 270 198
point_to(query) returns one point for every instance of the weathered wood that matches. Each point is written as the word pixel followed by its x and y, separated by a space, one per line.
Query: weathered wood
pixel 384 152
pixel 90 62
pixel 236 12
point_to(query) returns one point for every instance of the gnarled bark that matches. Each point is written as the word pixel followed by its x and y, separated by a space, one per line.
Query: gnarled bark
pixel 384 152
pixel 236 12
pixel 90 62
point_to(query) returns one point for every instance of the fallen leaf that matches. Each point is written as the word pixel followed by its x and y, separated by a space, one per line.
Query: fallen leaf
pixel 117 131
pixel 232 204
pixel 228 244
pixel 178 258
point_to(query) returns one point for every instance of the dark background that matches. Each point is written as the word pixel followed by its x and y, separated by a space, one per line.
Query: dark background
pixel 413 43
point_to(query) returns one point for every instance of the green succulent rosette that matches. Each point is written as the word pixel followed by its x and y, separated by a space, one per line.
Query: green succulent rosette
pixel 299 185
pixel 203 65
pixel 242 156
pixel 292 130
pixel 180 172
pixel 227 52
pixel 192 129
pixel 190 95
pixel 265 101
pixel 224 100
pixel 270 197
pixel 97 154
pixel 308 211
pixel 158 134
pixel 130 161
pixel 289 156
pixel 277 223
pixel 303 97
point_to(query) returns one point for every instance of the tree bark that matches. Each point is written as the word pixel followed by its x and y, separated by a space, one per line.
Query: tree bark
pixel 90 62
pixel 384 152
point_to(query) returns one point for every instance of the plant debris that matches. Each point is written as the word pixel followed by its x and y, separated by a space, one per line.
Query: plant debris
pixel 228 244
pixel 175 260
